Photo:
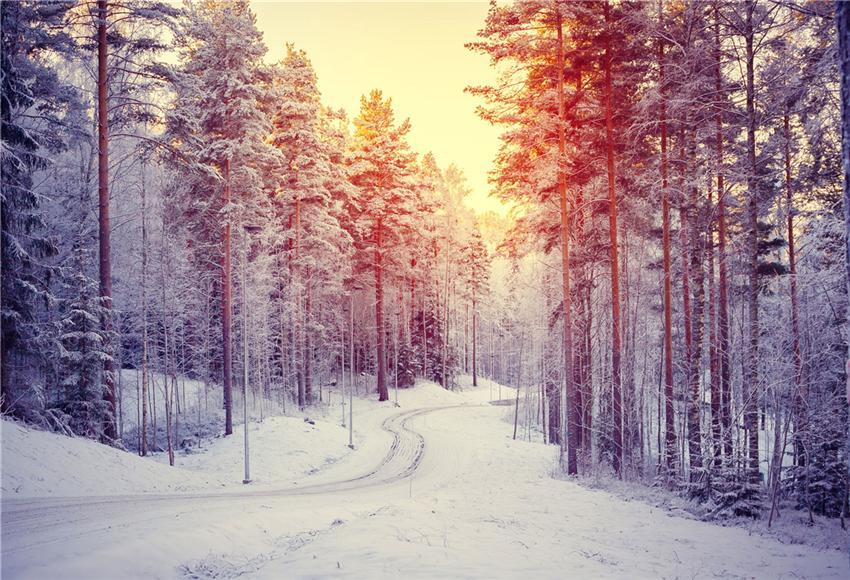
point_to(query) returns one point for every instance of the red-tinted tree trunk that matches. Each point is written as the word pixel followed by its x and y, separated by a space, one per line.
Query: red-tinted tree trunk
pixel 308 341
pixel 474 339
pixel 466 339
pixel 297 336
pixel 383 394
pixel 669 414
pixel 569 382
pixel 616 380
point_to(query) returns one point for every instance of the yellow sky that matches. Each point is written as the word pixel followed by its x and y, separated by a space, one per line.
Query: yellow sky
pixel 414 53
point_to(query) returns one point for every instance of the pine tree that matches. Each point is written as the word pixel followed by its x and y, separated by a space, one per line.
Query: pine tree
pixel 218 124
pixel 381 167
pixel 314 179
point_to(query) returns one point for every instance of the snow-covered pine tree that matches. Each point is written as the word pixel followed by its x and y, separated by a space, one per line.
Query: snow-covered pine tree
pixel 218 126
pixel 384 209
pixel 313 187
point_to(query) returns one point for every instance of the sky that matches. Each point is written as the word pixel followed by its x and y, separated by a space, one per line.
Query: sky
pixel 414 53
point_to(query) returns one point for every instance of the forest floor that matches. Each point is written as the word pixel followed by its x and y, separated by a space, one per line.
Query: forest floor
pixel 436 488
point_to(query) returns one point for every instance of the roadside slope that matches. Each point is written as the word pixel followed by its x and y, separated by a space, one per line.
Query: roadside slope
pixel 38 464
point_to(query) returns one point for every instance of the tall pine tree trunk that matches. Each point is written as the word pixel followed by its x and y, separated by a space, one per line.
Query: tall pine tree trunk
pixel 713 357
pixel 298 331
pixel 553 390
pixel 713 351
pixel 587 371
pixel 583 362
pixel 842 19
pixel 383 394
pixel 143 443
pixel 800 411
pixel 698 305
pixel 165 353
pixel 669 416
pixel 616 381
pixel 227 310
pixel 751 380
pixel 569 380
pixel 105 263
pixel 308 341
pixel 474 339
pixel 445 345
pixel 466 340
pixel 722 277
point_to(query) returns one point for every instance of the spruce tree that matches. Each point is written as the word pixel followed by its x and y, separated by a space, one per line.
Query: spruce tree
pixel 33 105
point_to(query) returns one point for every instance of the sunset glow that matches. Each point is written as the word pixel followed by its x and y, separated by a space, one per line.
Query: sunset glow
pixel 412 51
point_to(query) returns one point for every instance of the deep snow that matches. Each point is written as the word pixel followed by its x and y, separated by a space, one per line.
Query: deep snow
pixel 480 505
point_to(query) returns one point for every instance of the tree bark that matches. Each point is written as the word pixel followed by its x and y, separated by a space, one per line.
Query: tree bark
pixel 143 443
pixel 474 339
pixel 669 414
pixel 109 427
pixel 165 367
pixel 308 342
pixel 698 306
pixel 298 345
pixel 722 278
pixel 383 394
pixel 445 345
pixel 227 311
pixel 842 20
pixel 616 381
pixel 751 380
pixel 569 382
pixel 466 339
pixel 800 411
pixel 714 362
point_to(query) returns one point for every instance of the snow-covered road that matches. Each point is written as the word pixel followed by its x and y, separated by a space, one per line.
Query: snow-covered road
pixel 453 496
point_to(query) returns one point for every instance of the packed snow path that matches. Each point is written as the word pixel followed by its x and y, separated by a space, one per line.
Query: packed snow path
pixel 453 496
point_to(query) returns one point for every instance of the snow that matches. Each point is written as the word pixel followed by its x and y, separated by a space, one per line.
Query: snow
pixel 479 505
pixel 36 464
pixel 281 449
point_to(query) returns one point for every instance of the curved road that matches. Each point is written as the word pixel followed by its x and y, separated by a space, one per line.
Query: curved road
pixel 30 526
pixel 476 505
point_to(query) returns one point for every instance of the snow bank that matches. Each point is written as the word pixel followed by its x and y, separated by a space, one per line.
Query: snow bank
pixel 36 463
pixel 282 449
